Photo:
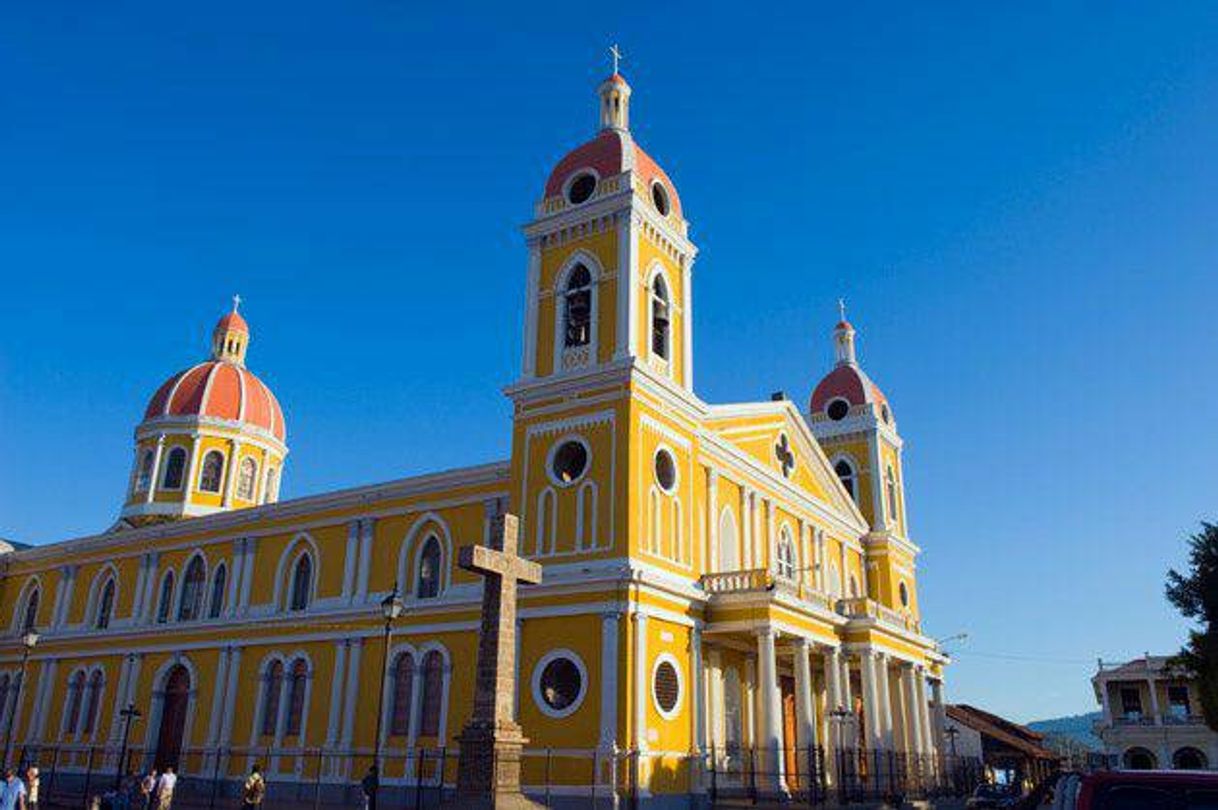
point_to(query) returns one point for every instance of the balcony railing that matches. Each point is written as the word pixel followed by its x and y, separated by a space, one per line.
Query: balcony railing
pixel 753 579
pixel 862 608
pixel 1183 720
pixel 1127 720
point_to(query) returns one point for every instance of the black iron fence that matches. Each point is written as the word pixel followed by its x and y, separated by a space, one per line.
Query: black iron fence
pixel 422 778
pixel 109 777
pixel 820 776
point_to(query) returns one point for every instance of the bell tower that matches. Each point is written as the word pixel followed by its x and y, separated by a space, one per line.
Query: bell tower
pixel 854 423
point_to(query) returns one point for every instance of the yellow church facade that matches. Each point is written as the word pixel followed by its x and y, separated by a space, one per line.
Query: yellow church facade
pixel 721 582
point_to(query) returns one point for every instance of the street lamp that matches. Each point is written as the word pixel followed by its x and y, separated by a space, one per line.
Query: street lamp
pixel 391 608
pixel 28 641
pixel 129 715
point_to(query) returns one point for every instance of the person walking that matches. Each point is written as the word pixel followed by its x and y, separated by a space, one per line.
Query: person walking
pixel 164 789
pixel 32 784
pixel 371 783
pixel 12 792
pixel 147 786
pixel 255 788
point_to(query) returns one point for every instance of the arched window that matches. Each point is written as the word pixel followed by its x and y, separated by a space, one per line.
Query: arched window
pixel 429 569
pixel 175 468
pixel 193 588
pixel 272 485
pixel 660 317
pixel 143 479
pixel 302 583
pixel 212 472
pixel 577 308
pixel 76 690
pixel 296 696
pixel 403 688
pixel 166 604
pixel 105 605
pixel 786 555
pixel 93 704
pixel 890 481
pixel 218 581
pixel 272 686
pixel 30 618
pixel 845 472
pixel 433 694
pixel 246 478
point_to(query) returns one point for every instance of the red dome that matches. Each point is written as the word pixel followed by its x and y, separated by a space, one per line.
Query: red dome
pixel 608 154
pixel 221 390
pixel 232 322
pixel 848 382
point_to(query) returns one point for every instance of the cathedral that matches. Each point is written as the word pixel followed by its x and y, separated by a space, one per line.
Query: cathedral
pixel 722 583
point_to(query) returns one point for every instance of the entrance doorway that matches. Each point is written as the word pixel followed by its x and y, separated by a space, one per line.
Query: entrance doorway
pixel 173 718
pixel 789 739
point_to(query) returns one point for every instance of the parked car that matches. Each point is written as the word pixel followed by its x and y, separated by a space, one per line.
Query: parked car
pixel 988 795
pixel 1138 790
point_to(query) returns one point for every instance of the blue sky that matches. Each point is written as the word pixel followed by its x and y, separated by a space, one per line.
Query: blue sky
pixel 1017 202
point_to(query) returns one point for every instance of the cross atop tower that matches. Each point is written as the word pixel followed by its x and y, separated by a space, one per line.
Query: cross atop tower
pixel 841 309
pixel 236 302
pixel 616 53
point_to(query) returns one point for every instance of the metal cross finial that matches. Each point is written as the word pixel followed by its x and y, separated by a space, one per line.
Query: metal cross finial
pixel 616 53
pixel 841 308
pixel 236 302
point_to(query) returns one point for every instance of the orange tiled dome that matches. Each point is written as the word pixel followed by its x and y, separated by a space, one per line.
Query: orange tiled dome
pixel 221 390
pixel 848 382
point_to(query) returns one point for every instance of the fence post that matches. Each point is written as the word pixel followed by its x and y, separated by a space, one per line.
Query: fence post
pixel 418 778
pixel 88 774
pixel 317 780
pixel 51 778
pixel 215 780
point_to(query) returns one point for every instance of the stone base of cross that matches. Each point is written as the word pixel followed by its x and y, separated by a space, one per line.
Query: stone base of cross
pixel 488 770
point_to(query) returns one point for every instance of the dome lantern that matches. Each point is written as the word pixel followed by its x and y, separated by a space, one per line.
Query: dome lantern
pixel 615 97
pixel 230 338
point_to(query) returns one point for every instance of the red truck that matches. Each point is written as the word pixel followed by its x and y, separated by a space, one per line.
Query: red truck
pixel 1137 790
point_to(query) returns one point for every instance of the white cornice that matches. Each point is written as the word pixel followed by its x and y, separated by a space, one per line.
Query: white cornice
pixel 240 519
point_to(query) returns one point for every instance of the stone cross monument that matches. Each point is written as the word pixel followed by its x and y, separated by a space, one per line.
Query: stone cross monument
pixel 488 771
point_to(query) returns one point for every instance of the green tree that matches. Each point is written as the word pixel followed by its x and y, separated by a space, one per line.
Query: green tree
pixel 1195 594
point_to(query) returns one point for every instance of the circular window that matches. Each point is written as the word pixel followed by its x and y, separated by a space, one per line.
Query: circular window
pixel 568 461
pixel 659 198
pixel 559 683
pixel 666 686
pixel 837 409
pixel 666 470
pixel 581 188
pixel 904 595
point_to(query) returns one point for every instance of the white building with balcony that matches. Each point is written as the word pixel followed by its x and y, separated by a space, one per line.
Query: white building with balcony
pixel 1152 716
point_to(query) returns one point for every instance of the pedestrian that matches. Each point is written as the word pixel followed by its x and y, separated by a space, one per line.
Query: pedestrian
pixel 12 792
pixel 147 786
pixel 32 783
pixel 164 788
pixel 371 783
pixel 255 788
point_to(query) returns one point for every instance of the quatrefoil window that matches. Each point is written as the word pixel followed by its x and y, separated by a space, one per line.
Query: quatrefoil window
pixel 782 452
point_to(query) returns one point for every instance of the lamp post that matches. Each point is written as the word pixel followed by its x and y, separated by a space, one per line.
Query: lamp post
pixel 391 608
pixel 28 641
pixel 129 715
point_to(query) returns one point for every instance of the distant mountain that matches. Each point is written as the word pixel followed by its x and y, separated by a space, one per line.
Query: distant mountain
pixel 1076 727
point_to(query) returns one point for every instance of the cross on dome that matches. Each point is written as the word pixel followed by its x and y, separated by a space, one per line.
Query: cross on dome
pixel 616 53
pixel 236 302
pixel 841 309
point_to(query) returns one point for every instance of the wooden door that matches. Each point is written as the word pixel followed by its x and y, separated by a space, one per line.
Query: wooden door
pixel 789 738
pixel 173 719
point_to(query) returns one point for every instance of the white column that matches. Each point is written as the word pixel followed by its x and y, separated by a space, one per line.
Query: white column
pixel 877 485
pixel 687 319
pixel 188 483
pixel 849 732
pixel 771 537
pixel 910 711
pixel 805 708
pixel 712 521
pixel 528 363
pixel 885 704
pixel 219 684
pixel 1154 708
pixel 367 529
pixel 46 687
pixel 770 712
pixel 640 681
pixel 940 715
pixel 609 663
pixel 349 558
pixel 746 528
pixel 354 654
pixel 230 473
pixel 924 730
pixel 230 697
pixel 250 554
pixel 336 693
pixel 697 678
pixel 872 714
pixel 155 478
pixel 627 284
pixel 1107 702
pixel 236 573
